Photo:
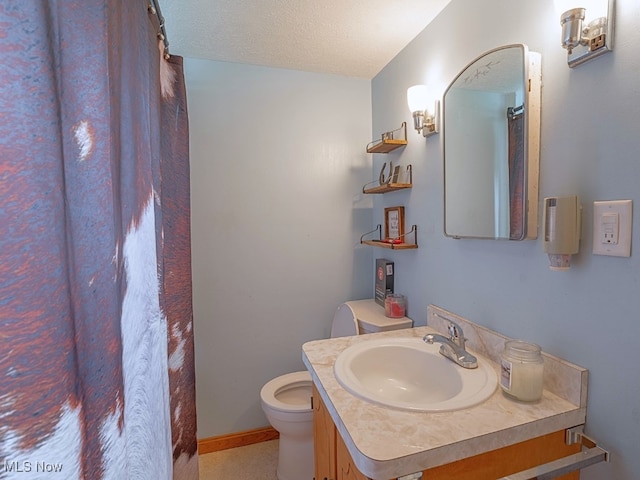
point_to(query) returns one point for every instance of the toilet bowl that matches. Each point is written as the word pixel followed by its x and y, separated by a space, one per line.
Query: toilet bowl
pixel 286 400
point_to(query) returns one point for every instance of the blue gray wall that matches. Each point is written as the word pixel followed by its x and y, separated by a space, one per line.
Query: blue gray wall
pixel 590 143
pixel 277 161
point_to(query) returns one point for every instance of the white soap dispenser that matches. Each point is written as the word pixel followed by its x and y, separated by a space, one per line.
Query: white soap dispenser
pixel 561 236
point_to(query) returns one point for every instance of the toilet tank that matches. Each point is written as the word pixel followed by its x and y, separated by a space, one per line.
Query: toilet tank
pixel 364 316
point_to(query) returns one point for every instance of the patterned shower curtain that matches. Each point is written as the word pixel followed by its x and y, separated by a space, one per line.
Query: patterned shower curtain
pixel 96 339
pixel 517 200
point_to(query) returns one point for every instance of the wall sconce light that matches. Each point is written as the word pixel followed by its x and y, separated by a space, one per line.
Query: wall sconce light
pixel 424 121
pixel 582 42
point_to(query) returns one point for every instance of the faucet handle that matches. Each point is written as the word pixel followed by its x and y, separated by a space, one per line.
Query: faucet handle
pixel 456 335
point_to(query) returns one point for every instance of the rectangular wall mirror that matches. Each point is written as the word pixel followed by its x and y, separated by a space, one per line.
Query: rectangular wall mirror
pixel 491 114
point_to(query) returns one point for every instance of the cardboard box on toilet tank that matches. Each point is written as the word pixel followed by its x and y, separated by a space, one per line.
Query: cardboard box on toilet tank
pixel 384 279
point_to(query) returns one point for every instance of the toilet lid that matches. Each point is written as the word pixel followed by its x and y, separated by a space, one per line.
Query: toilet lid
pixel 345 322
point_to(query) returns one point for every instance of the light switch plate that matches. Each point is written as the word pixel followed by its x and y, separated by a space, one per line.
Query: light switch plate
pixel 612 228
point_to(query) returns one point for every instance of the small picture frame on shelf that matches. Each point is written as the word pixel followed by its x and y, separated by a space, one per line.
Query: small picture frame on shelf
pixel 396 172
pixel 394 224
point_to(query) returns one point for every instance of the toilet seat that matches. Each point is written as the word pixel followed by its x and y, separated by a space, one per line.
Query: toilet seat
pixel 288 393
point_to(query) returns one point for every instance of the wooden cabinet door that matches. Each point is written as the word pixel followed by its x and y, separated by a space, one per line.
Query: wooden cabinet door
pixel 344 463
pixel 333 461
pixel 508 460
pixel 324 437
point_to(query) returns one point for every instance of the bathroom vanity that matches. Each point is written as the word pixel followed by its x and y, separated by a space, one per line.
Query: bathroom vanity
pixel 357 439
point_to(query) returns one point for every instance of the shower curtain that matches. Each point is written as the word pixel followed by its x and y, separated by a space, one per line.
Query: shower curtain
pixel 515 122
pixel 96 338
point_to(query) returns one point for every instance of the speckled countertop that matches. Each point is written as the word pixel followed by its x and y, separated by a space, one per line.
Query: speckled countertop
pixel 386 443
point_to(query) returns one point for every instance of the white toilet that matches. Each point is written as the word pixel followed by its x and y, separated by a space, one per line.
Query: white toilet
pixel 286 400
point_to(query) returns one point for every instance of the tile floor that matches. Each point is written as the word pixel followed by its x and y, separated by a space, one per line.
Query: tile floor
pixel 253 462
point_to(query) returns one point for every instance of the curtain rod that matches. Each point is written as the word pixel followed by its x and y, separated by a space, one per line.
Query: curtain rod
pixel 154 9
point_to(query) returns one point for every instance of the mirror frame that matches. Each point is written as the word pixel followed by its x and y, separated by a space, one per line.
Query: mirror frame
pixel 532 99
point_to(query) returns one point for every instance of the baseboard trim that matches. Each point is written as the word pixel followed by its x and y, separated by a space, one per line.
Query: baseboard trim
pixel 239 439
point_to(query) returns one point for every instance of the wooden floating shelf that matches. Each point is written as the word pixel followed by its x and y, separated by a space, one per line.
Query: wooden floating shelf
pixel 392 246
pixel 387 187
pixel 387 143
pixel 386 146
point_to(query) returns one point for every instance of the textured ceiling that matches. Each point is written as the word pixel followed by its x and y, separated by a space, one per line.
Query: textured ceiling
pixel 347 37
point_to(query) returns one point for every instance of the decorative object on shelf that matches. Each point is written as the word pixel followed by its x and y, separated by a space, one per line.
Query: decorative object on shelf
pixel 419 99
pixel 382 179
pixel 561 236
pixel 585 43
pixel 398 180
pixel 389 141
pixel 396 173
pixel 393 224
pixel 393 174
pixel 394 246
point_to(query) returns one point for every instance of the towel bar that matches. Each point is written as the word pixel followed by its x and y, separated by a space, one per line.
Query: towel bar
pixel 591 454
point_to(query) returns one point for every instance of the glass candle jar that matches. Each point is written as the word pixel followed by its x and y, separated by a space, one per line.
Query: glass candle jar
pixel 522 369
pixel 395 305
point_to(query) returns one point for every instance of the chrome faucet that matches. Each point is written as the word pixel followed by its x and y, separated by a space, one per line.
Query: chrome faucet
pixel 453 347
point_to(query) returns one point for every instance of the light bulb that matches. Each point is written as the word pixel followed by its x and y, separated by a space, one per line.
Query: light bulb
pixel 418 98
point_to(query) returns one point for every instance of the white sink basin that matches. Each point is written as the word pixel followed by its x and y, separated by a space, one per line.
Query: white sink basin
pixel 409 374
